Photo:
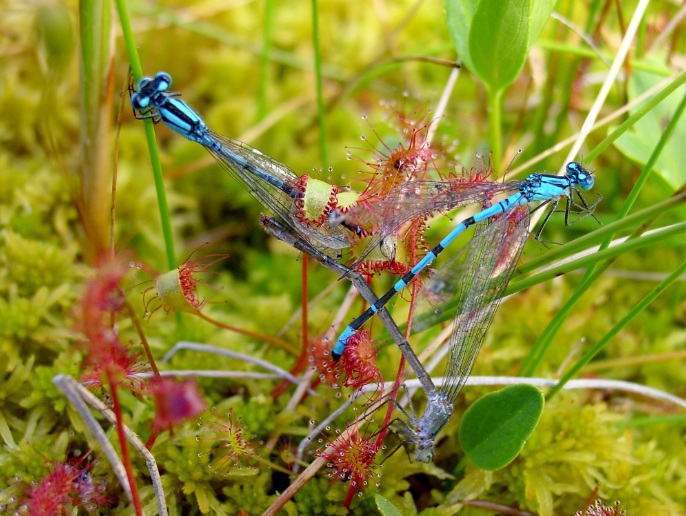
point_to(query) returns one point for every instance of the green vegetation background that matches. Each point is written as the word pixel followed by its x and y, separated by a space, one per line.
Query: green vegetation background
pixel 214 51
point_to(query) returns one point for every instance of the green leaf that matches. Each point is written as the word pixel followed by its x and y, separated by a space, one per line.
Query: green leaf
pixel 386 508
pixel 499 41
pixel 639 143
pixel 459 14
pixel 495 428
pixel 539 17
pixel 493 37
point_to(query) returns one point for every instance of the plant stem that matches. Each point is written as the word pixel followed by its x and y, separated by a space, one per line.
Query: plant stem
pixel 137 72
pixel 125 456
pixel 268 29
pixel 495 120
pixel 318 79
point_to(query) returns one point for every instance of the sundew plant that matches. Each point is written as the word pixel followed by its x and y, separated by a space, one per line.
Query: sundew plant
pixel 167 319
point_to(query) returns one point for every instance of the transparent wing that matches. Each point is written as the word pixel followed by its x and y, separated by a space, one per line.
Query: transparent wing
pixel 275 186
pixel 414 200
pixel 491 257
pixel 437 300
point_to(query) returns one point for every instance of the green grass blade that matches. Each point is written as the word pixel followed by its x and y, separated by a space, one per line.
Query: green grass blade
pixel 160 189
pixel 619 326
pixel 546 338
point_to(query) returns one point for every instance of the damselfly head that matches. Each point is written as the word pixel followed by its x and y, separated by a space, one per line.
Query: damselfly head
pixel 424 452
pixel 162 81
pixel 583 177
pixel 139 102
pixel 148 88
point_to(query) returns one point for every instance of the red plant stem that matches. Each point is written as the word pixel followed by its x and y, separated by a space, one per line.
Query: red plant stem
pixel 349 497
pixel 151 360
pixel 400 377
pixel 125 457
pixel 153 437
pixel 278 342
pixel 304 300
pixel 301 363
pixel 144 341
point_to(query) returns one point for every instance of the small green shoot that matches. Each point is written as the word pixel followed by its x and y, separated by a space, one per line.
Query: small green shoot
pixel 493 38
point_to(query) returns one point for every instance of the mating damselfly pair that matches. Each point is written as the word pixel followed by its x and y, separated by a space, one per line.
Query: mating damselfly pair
pixel 479 274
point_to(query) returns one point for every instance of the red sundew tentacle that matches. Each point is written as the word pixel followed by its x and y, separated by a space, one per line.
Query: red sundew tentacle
pixel 351 457
pixel 402 164
pixel 189 285
pixel 177 289
pixel 52 493
pixel 410 160
pixel 121 364
pixel 515 217
pixel 103 298
pixel 69 485
pixel 346 199
pixel 405 253
pixel 481 171
pixel 414 240
pixel 361 214
pixel 370 268
pixel 320 358
pixel 107 357
pixel 359 361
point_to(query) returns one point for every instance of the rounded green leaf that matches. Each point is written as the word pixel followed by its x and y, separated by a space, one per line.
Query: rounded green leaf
pixel 499 40
pixel 459 15
pixel 493 37
pixel 495 428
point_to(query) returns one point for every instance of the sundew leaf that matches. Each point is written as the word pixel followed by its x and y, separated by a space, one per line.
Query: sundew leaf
pixel 493 37
pixel 639 143
pixel 494 429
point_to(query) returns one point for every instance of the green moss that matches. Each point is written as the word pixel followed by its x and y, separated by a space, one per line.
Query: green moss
pixel 321 496
pixel 574 449
pixel 249 496
pixel 186 458
pixel 42 391
pixel 33 264
pixel 45 257
pixel 20 319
